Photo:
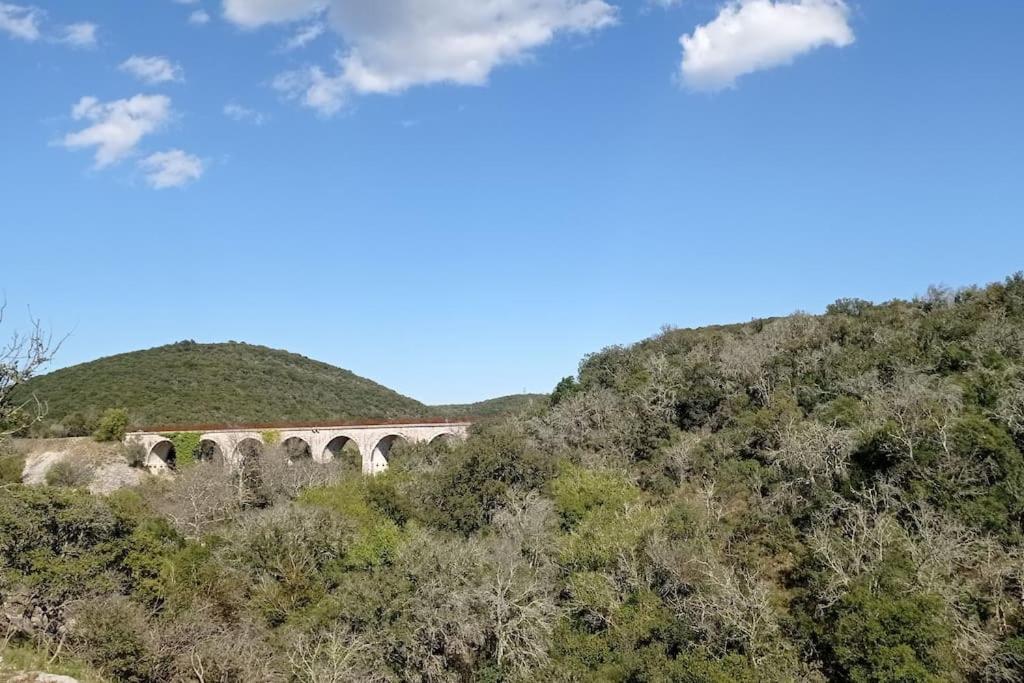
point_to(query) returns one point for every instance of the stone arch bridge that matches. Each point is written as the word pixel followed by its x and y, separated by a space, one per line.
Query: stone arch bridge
pixel 321 442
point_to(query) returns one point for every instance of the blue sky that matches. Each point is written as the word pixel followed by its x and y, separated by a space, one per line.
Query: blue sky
pixel 461 199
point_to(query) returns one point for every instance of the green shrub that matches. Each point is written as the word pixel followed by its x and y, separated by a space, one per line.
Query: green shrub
pixel 577 491
pixel 61 542
pixel 473 480
pixel 114 635
pixel 888 634
pixel 292 555
pixel 186 447
pixel 112 426
pixel 70 473
pixel 79 424
pixel 12 464
pixel 565 388
pixel 376 537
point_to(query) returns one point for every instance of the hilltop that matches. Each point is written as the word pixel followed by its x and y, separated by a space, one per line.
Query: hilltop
pixel 187 383
pixel 231 383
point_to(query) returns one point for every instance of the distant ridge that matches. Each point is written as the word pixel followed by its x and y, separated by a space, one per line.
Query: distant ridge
pixel 503 405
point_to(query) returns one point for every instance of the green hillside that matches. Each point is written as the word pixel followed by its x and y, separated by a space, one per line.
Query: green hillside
pixel 187 383
pixel 495 407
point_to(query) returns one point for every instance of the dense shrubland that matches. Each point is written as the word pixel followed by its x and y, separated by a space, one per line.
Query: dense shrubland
pixel 835 497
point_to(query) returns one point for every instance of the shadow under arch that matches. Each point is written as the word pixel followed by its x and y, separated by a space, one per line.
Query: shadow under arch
pixel 296 448
pixel 445 439
pixel 384 450
pixel 209 451
pixel 162 454
pixel 344 451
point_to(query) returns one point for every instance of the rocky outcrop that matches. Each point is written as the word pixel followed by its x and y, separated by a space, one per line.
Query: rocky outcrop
pixel 40 677
pixel 105 467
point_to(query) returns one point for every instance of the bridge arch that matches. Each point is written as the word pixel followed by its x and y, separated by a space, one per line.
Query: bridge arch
pixel 209 451
pixel 162 455
pixel 444 438
pixel 297 448
pixel 382 451
pixel 248 449
pixel 345 450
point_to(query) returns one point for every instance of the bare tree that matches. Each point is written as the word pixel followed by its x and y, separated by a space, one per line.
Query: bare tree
pixel 917 409
pixel 729 604
pixel 200 498
pixel 285 476
pixel 1010 409
pixel 20 359
pixel 335 656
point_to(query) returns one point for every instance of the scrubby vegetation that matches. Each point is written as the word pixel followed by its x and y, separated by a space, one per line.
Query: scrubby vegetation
pixel 835 497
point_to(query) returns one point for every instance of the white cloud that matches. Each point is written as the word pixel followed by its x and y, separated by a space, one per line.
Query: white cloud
pixel 753 35
pixel 82 34
pixel 152 69
pixel 304 36
pixel 199 17
pixel 254 13
pixel 20 21
pixel 117 126
pixel 173 168
pixel 314 89
pixel 237 112
pixel 395 45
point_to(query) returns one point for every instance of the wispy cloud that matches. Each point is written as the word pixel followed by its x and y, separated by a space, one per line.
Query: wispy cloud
pixel 173 168
pixel 26 22
pixel 20 21
pixel 304 36
pixel 199 17
pixel 237 112
pixel 116 127
pixel 152 69
pixel 82 34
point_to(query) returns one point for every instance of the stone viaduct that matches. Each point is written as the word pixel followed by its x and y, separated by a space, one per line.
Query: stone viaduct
pixel 322 442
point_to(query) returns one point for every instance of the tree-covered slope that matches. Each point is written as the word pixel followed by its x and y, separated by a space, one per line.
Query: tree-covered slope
pixel 187 383
pixel 494 407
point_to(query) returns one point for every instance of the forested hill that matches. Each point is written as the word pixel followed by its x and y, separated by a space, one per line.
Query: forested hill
pixel 494 407
pixel 190 383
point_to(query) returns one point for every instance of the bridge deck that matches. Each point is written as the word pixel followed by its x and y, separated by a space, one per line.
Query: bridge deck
pixel 298 424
